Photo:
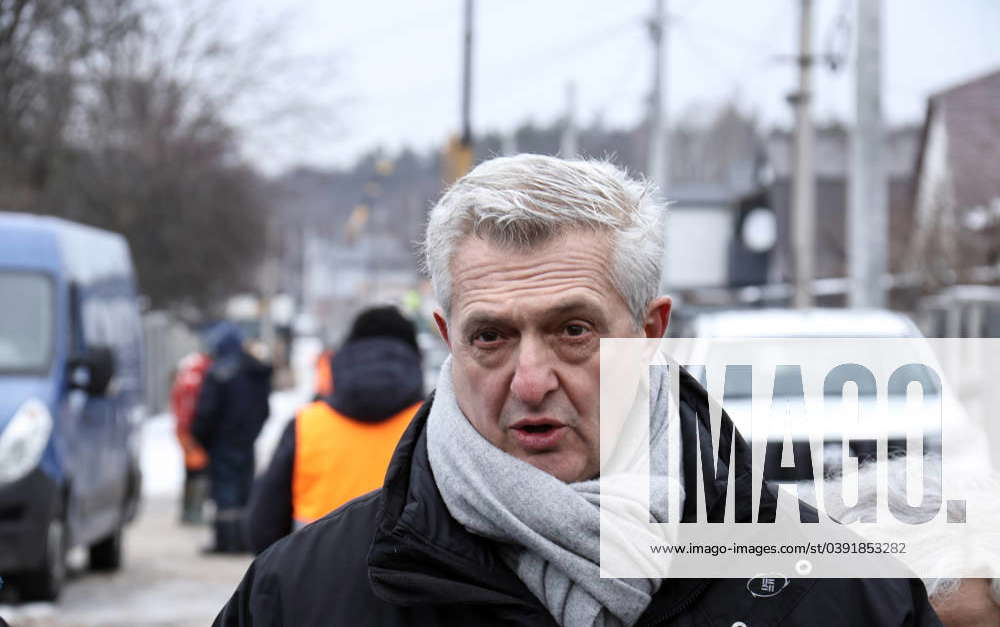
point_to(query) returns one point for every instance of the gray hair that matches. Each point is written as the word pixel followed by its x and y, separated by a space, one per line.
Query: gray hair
pixel 526 200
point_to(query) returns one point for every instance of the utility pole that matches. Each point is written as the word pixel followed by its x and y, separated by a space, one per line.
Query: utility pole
pixel 467 77
pixel 658 165
pixel 458 157
pixel 803 185
pixel 868 221
pixel 568 141
pixel 658 156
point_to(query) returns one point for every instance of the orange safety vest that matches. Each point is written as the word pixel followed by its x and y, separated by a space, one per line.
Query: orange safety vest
pixel 338 458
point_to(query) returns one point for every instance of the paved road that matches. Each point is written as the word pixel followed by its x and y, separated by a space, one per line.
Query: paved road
pixel 165 581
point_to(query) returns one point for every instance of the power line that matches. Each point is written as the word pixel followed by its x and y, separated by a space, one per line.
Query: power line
pixel 557 54
pixel 413 21
pixel 591 39
pixel 730 37
pixel 539 60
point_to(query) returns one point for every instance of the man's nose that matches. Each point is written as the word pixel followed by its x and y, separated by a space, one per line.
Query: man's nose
pixel 534 375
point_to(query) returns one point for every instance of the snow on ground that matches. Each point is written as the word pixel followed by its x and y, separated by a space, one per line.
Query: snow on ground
pixel 161 460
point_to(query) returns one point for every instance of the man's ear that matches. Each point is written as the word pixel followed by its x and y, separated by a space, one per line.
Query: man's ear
pixel 657 317
pixel 442 326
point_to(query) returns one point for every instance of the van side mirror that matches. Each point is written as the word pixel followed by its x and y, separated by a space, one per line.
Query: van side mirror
pixel 92 370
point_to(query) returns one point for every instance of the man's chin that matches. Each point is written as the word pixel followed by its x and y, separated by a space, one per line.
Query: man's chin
pixel 560 464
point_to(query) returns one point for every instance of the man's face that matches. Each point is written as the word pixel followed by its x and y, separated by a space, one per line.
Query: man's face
pixel 524 333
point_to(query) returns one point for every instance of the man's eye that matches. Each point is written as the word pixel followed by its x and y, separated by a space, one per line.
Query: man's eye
pixel 486 337
pixel 575 330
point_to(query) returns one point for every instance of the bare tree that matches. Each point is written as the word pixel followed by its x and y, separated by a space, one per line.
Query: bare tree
pixel 122 114
pixel 43 46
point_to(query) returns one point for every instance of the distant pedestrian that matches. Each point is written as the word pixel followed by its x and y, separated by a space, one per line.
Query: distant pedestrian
pixel 184 402
pixel 339 447
pixel 232 408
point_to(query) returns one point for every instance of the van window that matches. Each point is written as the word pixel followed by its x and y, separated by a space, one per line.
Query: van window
pixel 26 321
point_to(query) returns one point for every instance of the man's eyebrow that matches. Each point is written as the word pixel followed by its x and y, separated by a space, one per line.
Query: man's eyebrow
pixel 582 306
pixel 482 319
pixel 574 306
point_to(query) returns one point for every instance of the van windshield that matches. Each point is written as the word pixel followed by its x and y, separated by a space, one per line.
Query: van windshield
pixel 26 313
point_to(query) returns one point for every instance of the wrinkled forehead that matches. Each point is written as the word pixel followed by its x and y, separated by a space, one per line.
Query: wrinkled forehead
pixel 511 259
pixel 570 270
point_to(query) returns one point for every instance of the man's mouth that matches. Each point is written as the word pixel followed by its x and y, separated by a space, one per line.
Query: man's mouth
pixel 538 434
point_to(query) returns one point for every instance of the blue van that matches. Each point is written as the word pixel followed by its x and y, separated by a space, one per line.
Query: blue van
pixel 71 398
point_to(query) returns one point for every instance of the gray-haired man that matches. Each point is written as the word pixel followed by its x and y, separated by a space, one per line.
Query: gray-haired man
pixel 488 514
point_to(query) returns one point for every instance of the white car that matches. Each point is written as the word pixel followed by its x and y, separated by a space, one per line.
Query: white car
pixel 768 409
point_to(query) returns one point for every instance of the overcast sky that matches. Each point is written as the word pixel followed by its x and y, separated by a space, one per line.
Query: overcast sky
pixel 397 64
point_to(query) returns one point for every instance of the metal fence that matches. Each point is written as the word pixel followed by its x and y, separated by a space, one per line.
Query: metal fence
pixel 167 341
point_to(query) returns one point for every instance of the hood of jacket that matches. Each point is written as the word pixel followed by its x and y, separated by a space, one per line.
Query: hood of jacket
pixel 375 378
pixel 225 339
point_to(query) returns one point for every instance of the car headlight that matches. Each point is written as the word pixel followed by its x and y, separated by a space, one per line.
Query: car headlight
pixel 23 441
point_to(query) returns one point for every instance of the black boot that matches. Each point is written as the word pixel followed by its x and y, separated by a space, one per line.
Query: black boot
pixel 235 540
pixel 229 535
pixel 221 539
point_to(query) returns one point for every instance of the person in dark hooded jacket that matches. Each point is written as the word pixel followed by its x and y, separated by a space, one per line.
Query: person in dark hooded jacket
pixel 487 514
pixel 232 408
pixel 339 446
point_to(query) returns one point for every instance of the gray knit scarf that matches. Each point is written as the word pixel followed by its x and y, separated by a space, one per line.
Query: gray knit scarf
pixel 549 530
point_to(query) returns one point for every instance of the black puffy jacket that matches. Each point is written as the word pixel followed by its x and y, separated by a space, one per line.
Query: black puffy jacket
pixel 232 408
pixel 397 557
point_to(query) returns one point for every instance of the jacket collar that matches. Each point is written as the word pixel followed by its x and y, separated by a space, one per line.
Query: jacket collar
pixel 421 555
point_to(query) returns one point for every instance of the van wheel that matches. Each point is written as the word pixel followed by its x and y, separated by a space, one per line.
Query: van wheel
pixel 45 584
pixel 106 555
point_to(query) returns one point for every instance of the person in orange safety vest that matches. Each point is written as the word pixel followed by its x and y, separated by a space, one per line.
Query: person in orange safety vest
pixel 338 447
